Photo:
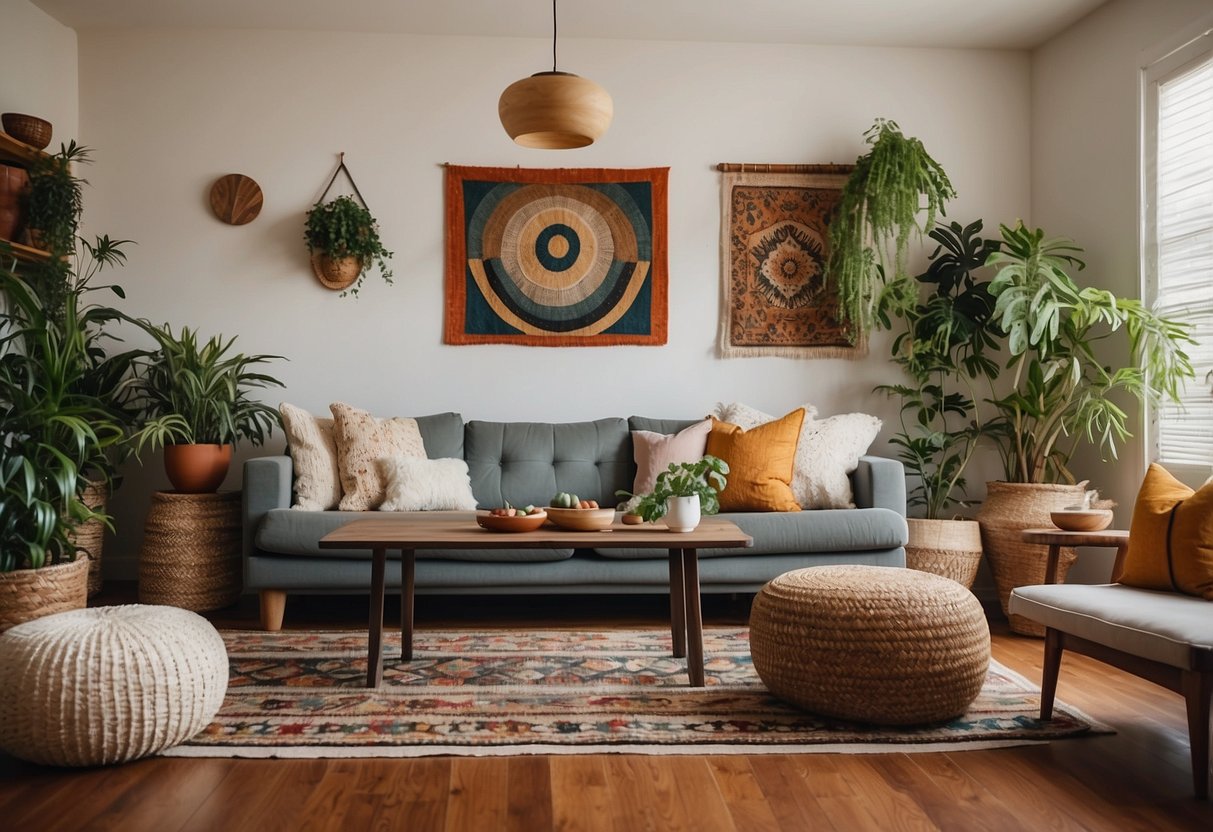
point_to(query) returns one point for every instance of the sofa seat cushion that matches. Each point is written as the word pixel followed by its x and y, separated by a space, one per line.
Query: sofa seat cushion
pixel 287 532
pixel 802 532
pixel 1164 626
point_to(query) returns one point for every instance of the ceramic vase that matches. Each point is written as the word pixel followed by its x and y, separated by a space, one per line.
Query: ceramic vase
pixel 682 513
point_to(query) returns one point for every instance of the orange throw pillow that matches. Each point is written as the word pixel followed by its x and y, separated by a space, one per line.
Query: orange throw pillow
pixel 760 463
pixel 1171 539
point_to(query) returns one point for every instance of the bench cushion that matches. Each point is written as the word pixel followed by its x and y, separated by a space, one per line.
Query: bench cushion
pixel 1164 626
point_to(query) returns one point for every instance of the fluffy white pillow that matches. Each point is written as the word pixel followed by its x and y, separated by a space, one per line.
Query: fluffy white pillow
pixel 827 452
pixel 317 483
pixel 426 485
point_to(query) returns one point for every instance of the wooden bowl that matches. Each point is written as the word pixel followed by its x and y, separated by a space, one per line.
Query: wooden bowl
pixel 1082 520
pixel 582 519
pixel 34 131
pixel 525 523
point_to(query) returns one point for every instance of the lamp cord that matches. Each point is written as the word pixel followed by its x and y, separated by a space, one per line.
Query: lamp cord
pixel 553 35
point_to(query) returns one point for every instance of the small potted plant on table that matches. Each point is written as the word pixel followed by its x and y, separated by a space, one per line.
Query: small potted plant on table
pixel 682 493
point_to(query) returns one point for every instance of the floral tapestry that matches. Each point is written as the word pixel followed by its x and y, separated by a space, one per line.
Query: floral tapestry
pixel 560 258
pixel 774 247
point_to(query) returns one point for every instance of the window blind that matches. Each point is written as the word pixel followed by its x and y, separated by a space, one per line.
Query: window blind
pixel 1183 248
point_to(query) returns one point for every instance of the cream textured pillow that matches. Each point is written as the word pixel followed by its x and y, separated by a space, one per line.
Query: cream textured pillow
pixel 317 483
pixel 426 485
pixel 654 452
pixel 826 455
pixel 363 440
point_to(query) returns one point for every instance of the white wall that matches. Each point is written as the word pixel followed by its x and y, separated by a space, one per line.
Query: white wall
pixel 38 68
pixel 171 111
pixel 1085 169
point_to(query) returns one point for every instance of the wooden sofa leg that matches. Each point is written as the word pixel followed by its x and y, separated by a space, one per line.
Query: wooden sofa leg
pixel 273 607
pixel 1052 667
pixel 1198 694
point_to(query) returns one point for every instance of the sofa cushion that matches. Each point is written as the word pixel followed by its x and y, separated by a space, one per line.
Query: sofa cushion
pixel 1171 538
pixel 529 462
pixel 1159 625
pixel 442 434
pixel 760 463
pixel 313 450
pixel 426 485
pixel 294 533
pixel 804 532
pixel 655 452
pixel 363 440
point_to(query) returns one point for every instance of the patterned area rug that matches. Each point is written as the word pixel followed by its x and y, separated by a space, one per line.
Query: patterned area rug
pixel 301 694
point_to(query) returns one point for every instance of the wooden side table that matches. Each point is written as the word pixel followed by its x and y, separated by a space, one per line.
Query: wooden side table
pixel 1055 539
pixel 191 551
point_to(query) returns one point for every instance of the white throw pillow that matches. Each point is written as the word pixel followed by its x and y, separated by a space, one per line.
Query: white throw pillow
pixel 363 440
pixel 827 452
pixel 426 485
pixel 313 450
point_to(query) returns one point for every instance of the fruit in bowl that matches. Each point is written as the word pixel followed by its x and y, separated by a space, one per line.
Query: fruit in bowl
pixel 567 500
pixel 511 519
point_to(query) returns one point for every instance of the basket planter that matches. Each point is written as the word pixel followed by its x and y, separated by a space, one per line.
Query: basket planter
pixel 90 536
pixel 190 556
pixel 26 594
pixel 335 272
pixel 1010 508
pixel 951 548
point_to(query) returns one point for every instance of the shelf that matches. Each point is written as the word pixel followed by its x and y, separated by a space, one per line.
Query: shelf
pixel 23 253
pixel 12 150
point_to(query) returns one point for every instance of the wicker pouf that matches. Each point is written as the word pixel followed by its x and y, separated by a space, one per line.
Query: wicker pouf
pixel 869 643
pixel 108 684
pixel 191 551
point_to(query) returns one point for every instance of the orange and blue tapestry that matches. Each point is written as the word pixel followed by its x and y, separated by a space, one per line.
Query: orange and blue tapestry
pixel 560 257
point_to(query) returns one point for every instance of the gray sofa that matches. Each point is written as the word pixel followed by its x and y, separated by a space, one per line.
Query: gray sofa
pixel 526 462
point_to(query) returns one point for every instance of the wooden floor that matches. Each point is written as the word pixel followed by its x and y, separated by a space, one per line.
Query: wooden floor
pixel 1136 779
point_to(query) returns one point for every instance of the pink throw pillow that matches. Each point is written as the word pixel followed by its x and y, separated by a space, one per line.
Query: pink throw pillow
pixel 655 451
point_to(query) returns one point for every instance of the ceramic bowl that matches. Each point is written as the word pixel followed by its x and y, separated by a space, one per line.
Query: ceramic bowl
pixel 582 519
pixel 1082 520
pixel 525 523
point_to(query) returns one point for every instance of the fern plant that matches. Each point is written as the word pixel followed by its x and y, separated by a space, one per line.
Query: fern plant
pixel 343 227
pixel 704 478
pixel 877 218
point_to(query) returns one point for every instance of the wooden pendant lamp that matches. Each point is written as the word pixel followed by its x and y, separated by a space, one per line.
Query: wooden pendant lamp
pixel 555 110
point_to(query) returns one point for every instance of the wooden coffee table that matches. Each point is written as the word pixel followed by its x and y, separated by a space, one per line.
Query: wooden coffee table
pixel 410 532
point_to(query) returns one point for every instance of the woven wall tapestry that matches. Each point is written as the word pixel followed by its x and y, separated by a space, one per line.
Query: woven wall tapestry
pixel 555 258
pixel 773 254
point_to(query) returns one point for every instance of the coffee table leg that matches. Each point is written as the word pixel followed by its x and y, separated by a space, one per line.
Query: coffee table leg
pixel 408 561
pixel 694 615
pixel 374 653
pixel 678 610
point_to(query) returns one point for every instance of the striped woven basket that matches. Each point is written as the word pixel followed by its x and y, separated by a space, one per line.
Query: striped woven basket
pixel 951 548
pixel 26 594
pixel 90 536
pixel 191 551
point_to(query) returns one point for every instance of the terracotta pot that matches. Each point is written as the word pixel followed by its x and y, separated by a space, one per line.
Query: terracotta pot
pixel 26 594
pixel 197 469
pixel 1009 508
pixel 13 180
pixel 951 548
pixel 335 272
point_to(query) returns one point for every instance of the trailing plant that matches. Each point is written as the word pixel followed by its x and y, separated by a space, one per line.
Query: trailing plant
pixel 877 216
pixel 947 335
pixel 194 392
pixel 705 479
pixel 1060 393
pixel 54 199
pixel 344 228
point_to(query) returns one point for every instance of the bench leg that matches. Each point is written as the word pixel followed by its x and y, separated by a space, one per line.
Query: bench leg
pixel 1052 667
pixel 273 607
pixel 1198 694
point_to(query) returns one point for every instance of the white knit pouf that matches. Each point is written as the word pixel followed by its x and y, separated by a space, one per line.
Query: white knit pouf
pixel 108 684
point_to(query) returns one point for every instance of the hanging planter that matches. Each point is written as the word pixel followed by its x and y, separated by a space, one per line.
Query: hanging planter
pixel 343 238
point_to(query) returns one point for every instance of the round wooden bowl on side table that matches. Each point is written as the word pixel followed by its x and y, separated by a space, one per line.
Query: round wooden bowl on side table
pixel 1082 520
pixel 582 519
pixel 517 523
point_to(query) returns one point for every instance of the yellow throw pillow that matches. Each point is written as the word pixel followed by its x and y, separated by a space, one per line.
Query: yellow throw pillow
pixel 1171 539
pixel 760 463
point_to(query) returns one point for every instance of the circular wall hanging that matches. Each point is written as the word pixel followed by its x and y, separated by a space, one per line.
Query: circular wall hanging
pixel 236 199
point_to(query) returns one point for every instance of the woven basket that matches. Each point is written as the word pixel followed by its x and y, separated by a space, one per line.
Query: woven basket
pixel 108 684
pixel 1009 508
pixel 335 272
pixel 34 131
pixel 870 643
pixel 951 548
pixel 26 594
pixel 90 536
pixel 191 551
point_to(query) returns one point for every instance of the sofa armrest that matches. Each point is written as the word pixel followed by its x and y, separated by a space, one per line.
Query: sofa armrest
pixel 880 483
pixel 267 485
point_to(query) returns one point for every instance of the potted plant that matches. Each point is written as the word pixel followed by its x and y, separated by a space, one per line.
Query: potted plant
pixel 194 403
pixel 944 347
pixel 343 239
pixel 682 493
pixel 1055 392
pixel 53 200
pixel 877 216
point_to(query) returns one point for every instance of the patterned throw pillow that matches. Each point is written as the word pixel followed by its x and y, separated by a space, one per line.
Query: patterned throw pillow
pixel 313 451
pixel 427 485
pixel 363 440
pixel 1171 538
pixel 827 453
pixel 760 463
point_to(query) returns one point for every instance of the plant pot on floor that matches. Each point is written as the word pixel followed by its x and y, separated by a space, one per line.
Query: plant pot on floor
pixel 682 513
pixel 26 594
pixel 197 469
pixel 1009 508
pixel 90 536
pixel 951 548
